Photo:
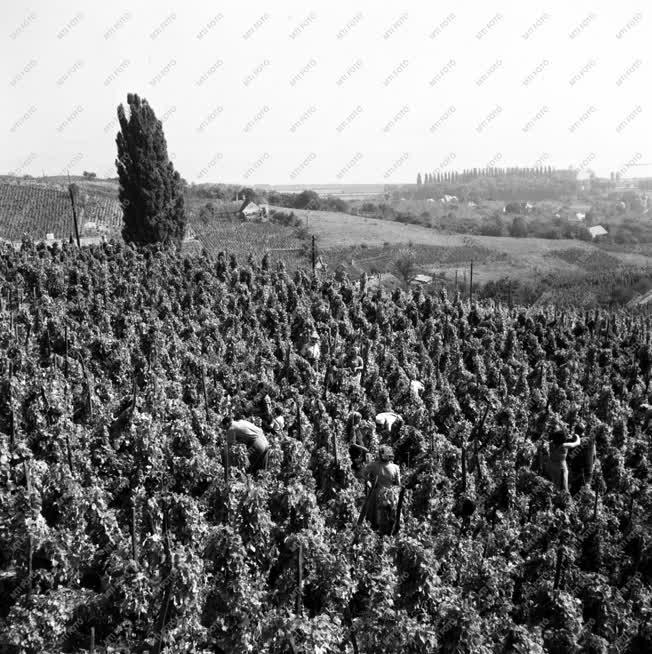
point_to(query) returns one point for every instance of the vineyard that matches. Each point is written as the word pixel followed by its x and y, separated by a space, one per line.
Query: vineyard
pixel 127 525
pixel 590 260
pixel 244 238
pixel 37 210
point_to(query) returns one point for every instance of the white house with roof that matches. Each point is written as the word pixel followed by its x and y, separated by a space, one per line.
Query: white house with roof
pixel 251 210
pixel 422 279
pixel 597 230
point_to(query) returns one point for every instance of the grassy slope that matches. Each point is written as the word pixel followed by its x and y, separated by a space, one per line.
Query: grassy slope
pixel 511 256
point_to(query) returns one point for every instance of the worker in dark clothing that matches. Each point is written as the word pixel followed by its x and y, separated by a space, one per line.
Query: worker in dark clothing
pixel 357 449
pixel 264 405
pixel 332 378
pixel 381 504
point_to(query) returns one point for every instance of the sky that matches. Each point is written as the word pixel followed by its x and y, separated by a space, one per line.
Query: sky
pixel 322 92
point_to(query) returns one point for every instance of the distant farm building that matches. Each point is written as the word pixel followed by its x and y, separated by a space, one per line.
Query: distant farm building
pixel 597 231
pixel 422 279
pixel 241 210
pixel 575 212
pixel 250 210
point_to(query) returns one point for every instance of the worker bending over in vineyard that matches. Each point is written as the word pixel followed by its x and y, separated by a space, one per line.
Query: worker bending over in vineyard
pixel 388 423
pixel 555 463
pixel 355 365
pixel 416 389
pixel 264 405
pixel 646 414
pixel 245 432
pixel 357 448
pixel 278 421
pixel 311 351
pixel 381 503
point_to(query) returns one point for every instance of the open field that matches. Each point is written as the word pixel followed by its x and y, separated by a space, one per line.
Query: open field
pixel 494 257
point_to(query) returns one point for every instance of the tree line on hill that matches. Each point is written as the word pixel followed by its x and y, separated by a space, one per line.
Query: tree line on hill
pixel 468 174
pixel 503 188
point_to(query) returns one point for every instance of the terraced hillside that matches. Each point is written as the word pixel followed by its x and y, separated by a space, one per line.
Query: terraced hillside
pixel 38 209
pixel 242 239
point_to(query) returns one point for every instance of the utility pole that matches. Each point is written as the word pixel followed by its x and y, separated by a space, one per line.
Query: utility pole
pixel 313 254
pixel 74 211
pixel 471 284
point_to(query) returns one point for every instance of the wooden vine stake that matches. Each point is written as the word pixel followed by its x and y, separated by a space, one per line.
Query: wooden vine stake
pixel 631 511
pixel 559 564
pixel 203 386
pixel 69 451
pixel 163 615
pixel 477 462
pixel 30 571
pixel 227 464
pixel 287 361
pixel 397 522
pixel 92 647
pixel 299 426
pixel 66 339
pixel 363 510
pixel 299 609
pixel 28 478
pixel 595 505
pixel 168 587
pixel 335 452
pixel 12 417
pixel 463 468
pixel 134 548
pixel 354 642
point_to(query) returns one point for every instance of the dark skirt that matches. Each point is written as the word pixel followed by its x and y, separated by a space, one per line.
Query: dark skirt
pixel 381 509
pixel 258 457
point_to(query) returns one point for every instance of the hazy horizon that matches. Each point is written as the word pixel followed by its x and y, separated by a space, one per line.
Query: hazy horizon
pixel 287 93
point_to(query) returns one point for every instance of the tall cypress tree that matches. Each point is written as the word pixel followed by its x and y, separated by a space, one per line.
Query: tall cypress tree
pixel 151 191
